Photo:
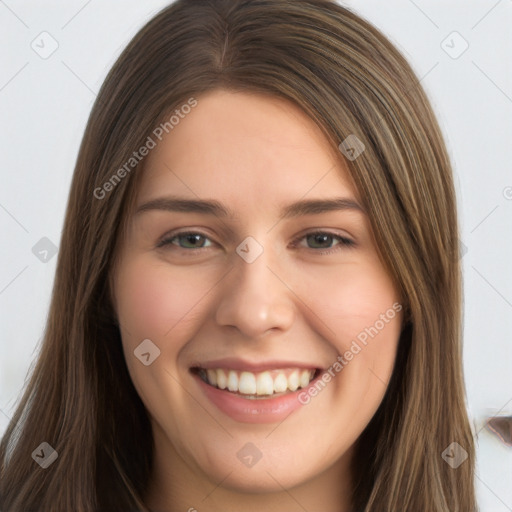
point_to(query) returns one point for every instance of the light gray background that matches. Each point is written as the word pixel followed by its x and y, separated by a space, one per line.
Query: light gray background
pixel 44 105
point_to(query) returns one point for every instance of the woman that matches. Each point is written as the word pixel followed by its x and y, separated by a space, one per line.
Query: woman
pixel 257 299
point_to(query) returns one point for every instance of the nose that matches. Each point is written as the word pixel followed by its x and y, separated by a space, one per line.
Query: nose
pixel 255 297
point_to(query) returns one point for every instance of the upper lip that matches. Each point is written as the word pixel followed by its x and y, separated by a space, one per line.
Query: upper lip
pixel 252 366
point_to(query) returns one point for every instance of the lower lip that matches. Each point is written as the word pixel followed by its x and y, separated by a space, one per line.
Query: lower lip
pixel 260 410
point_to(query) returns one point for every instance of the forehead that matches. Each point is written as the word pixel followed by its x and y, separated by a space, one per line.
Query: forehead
pixel 244 149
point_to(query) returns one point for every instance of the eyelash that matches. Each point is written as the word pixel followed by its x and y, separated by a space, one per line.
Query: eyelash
pixel 344 242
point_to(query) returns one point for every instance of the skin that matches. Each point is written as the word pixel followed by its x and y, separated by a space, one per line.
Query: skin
pixel 255 154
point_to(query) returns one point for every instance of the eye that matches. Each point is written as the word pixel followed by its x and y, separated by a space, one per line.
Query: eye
pixel 187 240
pixel 317 240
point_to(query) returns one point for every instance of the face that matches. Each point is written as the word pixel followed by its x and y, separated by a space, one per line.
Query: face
pixel 250 269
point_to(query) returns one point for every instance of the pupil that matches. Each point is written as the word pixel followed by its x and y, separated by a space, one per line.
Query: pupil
pixel 322 239
pixel 193 239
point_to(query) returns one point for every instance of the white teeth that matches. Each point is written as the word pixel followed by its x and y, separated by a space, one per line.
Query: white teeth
pixel 280 383
pixel 212 376
pixel 293 381
pixel 247 383
pixel 304 378
pixel 232 381
pixel 259 384
pixel 264 384
pixel 222 381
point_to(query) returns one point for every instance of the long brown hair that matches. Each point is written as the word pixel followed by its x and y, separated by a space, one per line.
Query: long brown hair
pixel 349 79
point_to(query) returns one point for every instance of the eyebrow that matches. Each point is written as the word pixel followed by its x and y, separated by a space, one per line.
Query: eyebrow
pixel 215 208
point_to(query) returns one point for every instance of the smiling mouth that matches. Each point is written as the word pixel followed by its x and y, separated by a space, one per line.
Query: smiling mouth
pixel 257 385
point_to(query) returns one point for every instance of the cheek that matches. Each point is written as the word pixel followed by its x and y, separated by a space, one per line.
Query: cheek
pixel 166 305
pixel 372 325
pixel 364 317
pixel 352 300
pixel 158 302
